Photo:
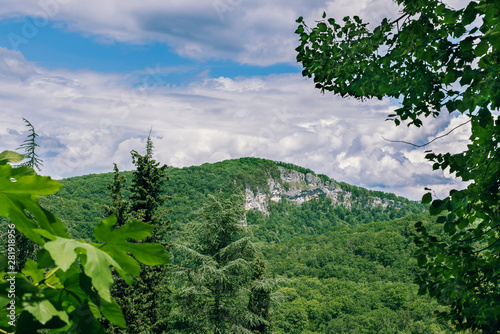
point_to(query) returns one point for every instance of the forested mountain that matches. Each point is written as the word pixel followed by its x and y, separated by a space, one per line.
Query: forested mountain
pixel 345 252
pixel 263 182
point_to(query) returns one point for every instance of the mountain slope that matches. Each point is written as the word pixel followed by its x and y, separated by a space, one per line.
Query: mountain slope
pixel 268 187
pixel 346 251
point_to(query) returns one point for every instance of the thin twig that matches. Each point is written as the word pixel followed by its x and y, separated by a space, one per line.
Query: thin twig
pixel 405 142
pixel 479 236
pixel 400 18
pixel 485 248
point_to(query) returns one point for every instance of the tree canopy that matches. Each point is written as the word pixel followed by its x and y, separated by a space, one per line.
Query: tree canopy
pixel 434 59
pixel 68 287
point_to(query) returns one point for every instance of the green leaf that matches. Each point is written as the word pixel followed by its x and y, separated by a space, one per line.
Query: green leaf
pixel 436 207
pixel 43 310
pixel 322 27
pixel 9 156
pixel 64 252
pixel 494 39
pixel 481 48
pixel 113 313
pixel 470 13
pixel 427 198
pixel 115 243
pixel 31 269
pixel 20 194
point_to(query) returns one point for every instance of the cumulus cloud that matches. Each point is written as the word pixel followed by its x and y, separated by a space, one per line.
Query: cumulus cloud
pixel 253 32
pixel 88 120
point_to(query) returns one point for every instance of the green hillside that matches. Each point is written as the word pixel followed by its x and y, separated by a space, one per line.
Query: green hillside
pixel 348 267
pixel 81 198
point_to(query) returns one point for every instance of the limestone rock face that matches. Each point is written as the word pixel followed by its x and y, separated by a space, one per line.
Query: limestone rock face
pixel 298 187
pixel 295 187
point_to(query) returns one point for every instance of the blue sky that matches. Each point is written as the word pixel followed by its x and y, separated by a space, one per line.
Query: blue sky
pixel 55 47
pixel 214 80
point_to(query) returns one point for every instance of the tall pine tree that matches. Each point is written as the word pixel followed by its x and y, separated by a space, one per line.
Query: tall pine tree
pixel 26 249
pixel 29 146
pixel 146 304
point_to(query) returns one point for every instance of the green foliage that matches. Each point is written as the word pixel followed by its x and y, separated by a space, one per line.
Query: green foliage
pixel 433 58
pixel 145 305
pixel 353 280
pixel 119 207
pixel 316 217
pixel 29 146
pixel 69 285
pixel 189 187
pixel 344 272
pixel 259 301
pixel 214 281
pixel 146 191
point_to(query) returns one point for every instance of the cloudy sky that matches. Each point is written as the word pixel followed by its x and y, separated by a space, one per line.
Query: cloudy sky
pixel 214 79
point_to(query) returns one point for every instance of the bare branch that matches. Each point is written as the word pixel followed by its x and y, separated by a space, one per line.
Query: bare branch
pixel 405 142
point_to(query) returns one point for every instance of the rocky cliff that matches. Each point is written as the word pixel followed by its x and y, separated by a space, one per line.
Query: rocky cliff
pixel 300 187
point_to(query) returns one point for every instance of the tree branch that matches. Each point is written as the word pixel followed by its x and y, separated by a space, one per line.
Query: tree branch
pixel 479 236
pixel 485 248
pixel 405 142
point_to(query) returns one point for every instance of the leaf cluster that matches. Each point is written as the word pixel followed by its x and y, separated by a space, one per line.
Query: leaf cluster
pixel 67 289
pixel 432 59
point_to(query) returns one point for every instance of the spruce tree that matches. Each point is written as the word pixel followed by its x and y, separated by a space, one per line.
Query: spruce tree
pixel 119 207
pixel 145 305
pixel 214 281
pixel 148 303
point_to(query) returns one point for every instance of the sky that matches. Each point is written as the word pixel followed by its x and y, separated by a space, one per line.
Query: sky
pixel 211 79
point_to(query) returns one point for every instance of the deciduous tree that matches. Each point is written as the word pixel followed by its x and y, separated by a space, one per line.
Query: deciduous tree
pixel 434 59
pixel 68 287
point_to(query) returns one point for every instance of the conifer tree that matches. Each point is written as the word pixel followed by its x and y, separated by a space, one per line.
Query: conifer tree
pixel 26 249
pixel 119 207
pixel 29 146
pixel 260 298
pixel 145 305
pixel 216 277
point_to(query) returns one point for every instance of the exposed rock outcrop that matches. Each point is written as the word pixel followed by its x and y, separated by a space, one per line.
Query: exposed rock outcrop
pixel 299 187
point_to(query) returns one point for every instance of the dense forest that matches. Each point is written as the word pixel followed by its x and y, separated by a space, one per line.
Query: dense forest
pixel 344 270
pixel 178 250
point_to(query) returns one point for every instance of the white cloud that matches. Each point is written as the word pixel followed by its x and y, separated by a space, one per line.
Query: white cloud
pixel 247 31
pixel 89 120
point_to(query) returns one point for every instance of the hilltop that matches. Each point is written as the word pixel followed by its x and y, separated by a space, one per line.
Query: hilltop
pixel 266 185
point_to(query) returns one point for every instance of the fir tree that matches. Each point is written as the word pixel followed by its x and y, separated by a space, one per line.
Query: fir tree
pixel 119 206
pixel 147 193
pixel 213 295
pixel 145 305
pixel 26 249
pixel 29 146
pixel 260 298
